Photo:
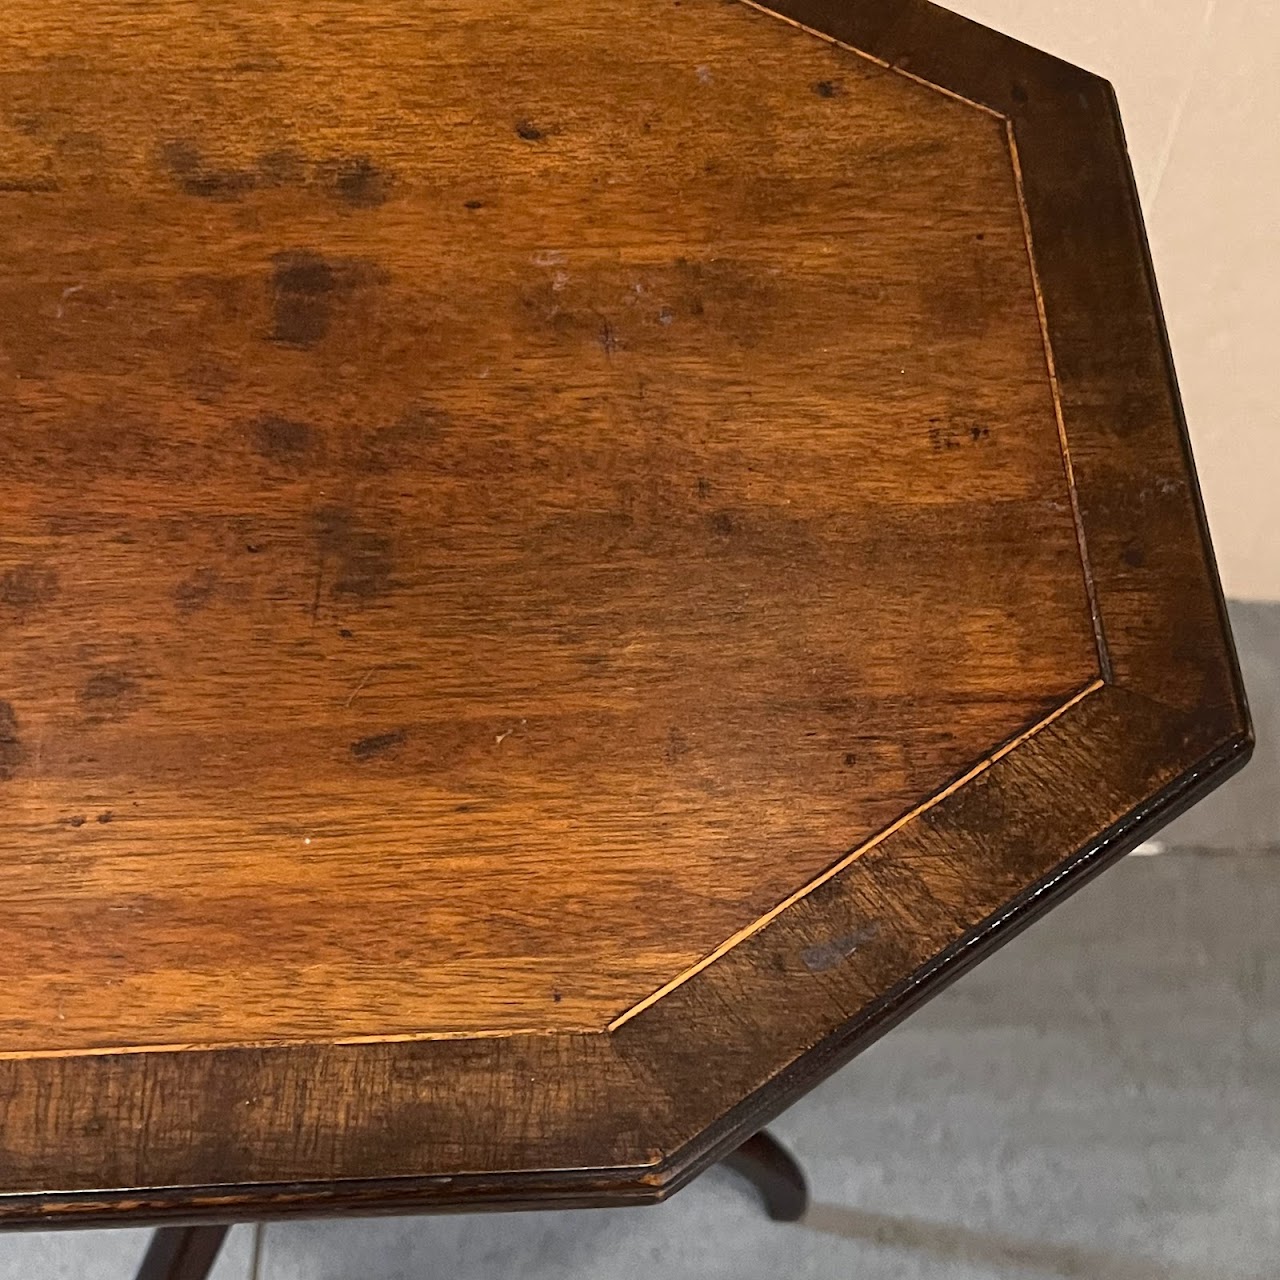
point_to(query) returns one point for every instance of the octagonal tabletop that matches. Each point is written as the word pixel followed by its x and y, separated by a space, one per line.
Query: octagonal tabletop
pixel 561 566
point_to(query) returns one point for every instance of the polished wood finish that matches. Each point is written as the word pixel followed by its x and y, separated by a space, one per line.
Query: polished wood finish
pixel 624 550
pixel 561 570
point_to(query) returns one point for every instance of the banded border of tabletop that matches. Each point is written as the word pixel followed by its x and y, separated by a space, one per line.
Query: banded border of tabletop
pixel 631 1116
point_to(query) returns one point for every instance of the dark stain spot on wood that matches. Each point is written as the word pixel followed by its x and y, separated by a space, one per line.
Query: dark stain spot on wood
pixel 378 744
pixel 29 186
pixel 704 487
pixel 826 88
pixel 942 440
pixel 196 178
pixel 252 548
pixel 27 586
pixel 529 131
pixel 721 523
pixel 1133 555
pixel 345 632
pixel 220 184
pixel 947 437
pixel 76 820
pixel 106 686
pixel 283 439
pixel 556 996
pixel 360 183
pixel 104 818
pixel 80 145
pixel 302 287
pixel 108 695
pixel 677 746
pixel 474 204
pixel 12 753
pixel 282 167
pixel 828 955
pixel 357 561
pixel 608 338
pixel 193 593
pixel 406 442
pixel 305 286
pixel 850 759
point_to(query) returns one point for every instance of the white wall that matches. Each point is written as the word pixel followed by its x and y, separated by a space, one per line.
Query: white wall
pixel 1199 86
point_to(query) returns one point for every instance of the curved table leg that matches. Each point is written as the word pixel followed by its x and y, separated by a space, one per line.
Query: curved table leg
pixel 182 1253
pixel 773 1171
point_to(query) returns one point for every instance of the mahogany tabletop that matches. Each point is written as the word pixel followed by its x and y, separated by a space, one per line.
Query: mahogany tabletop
pixel 562 567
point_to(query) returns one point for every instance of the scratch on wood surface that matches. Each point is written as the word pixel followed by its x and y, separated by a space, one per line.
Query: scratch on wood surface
pixel 827 955
pixel 68 292
pixel 315 597
pixel 364 680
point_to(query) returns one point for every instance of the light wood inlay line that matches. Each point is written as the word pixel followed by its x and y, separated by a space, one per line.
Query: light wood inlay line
pixel 723 949
pixel 578 562
pixel 879 62
pixel 504 1033
pixel 850 858
pixel 1104 656
pixel 504 505
pixel 1090 586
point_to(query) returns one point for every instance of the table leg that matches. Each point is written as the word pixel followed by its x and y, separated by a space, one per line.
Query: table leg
pixel 182 1253
pixel 773 1171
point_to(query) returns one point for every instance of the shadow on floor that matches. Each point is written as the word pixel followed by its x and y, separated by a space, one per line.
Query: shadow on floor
pixel 950 1243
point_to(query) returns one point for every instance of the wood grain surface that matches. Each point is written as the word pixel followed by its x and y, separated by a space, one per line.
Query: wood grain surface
pixel 561 569
pixel 497 502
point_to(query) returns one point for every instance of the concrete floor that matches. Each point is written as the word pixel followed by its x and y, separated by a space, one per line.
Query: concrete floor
pixel 1101 1099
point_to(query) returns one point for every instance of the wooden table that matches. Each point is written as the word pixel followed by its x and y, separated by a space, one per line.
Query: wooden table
pixel 562 567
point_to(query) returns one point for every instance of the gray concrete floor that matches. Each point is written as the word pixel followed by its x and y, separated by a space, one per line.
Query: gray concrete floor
pixel 1101 1099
